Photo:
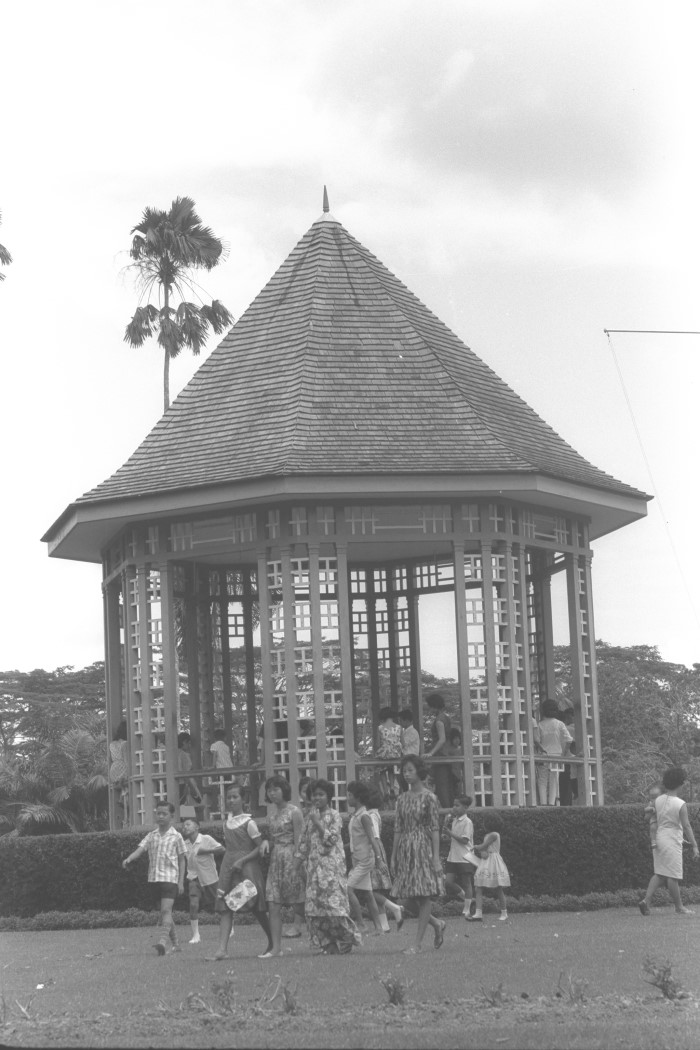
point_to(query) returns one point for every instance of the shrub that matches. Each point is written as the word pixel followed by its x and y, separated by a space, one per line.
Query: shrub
pixel 549 851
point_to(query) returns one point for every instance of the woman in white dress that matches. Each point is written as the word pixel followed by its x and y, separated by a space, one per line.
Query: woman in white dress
pixel 671 819
pixel 552 737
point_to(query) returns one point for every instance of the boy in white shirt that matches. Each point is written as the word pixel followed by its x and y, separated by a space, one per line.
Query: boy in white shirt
pixel 220 750
pixel 202 876
pixel 462 862
pixel 410 740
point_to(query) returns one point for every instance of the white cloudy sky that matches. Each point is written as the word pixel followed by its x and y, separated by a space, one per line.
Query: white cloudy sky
pixel 529 169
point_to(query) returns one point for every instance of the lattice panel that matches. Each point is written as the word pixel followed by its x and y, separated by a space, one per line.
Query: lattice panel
pixel 509 782
pixel 471 517
pixel 299 523
pixel 325 520
pixel 497 517
pixel 481 743
pixel 272 525
pixel 435 519
pixel 483 784
pixel 506 741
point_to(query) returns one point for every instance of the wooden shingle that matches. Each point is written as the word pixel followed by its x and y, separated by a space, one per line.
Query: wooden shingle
pixel 336 368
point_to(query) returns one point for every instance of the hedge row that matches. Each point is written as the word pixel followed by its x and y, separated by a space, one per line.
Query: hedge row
pixel 549 851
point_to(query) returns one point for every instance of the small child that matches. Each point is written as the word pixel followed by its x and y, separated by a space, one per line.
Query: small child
pixel 380 875
pixel 365 854
pixel 491 872
pixel 304 803
pixel 241 861
pixel 202 876
pixel 461 862
pixel 650 812
pixel 166 869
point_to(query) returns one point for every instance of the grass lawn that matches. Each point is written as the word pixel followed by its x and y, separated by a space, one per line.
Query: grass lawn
pixel 109 988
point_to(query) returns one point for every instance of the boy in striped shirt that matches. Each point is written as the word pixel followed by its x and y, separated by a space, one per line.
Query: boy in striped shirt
pixel 167 864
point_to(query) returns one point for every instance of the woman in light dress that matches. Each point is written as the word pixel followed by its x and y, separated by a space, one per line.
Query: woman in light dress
pixel 552 737
pixel 670 814
pixel 415 856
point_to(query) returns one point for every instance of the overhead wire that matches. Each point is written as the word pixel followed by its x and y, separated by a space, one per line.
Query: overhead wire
pixel 654 487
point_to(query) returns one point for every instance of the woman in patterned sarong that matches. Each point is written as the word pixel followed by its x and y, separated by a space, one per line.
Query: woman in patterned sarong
pixel 321 846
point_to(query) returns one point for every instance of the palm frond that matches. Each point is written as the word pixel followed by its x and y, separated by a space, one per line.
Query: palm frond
pixel 36 814
pixel 142 325
pixel 169 335
pixel 217 316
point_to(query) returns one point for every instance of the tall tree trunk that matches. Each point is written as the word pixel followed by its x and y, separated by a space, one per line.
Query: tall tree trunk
pixel 166 361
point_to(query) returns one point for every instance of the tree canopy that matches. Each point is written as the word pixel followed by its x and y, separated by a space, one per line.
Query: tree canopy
pixel 649 717
pixel 53 750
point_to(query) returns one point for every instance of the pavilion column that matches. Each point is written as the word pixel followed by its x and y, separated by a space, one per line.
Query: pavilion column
pixel 529 766
pixel 266 657
pixel 345 631
pixel 583 673
pixel 511 605
pixel 192 657
pixel 542 594
pixel 463 665
pixel 170 681
pixel 393 637
pixel 375 702
pixel 317 655
pixel 290 641
pixel 414 648
pixel 493 661
pixel 251 718
pixel 113 681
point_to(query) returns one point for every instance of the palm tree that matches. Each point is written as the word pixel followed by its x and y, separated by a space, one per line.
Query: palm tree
pixel 5 257
pixel 63 788
pixel 166 248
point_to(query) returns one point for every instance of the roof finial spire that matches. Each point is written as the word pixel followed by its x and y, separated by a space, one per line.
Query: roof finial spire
pixel 326 207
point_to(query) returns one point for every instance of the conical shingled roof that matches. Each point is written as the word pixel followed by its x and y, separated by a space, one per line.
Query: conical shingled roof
pixel 337 368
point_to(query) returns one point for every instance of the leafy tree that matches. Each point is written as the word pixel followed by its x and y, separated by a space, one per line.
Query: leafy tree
pixel 39 706
pixel 649 717
pixel 53 750
pixel 167 247
pixel 5 257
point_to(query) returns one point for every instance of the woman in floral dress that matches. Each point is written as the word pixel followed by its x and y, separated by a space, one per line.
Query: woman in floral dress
pixel 321 845
pixel 283 884
pixel 415 856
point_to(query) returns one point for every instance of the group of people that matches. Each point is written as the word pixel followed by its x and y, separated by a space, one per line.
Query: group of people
pixel 307 868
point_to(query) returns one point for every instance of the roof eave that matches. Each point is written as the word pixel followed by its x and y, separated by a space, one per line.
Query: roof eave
pixel 85 528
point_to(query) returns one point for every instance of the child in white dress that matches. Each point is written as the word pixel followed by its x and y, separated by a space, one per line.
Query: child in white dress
pixel 492 872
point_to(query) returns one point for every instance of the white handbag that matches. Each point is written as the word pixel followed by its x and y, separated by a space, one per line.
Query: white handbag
pixel 240 895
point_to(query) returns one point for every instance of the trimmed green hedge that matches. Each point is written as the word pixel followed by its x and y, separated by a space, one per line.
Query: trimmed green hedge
pixel 549 851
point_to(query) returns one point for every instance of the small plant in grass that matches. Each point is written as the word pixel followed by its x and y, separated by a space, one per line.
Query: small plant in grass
pixel 660 975
pixel 225 993
pixel 494 996
pixel 395 987
pixel 287 993
pixel 574 988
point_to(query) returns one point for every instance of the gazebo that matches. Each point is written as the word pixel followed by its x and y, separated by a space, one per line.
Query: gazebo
pixel 340 455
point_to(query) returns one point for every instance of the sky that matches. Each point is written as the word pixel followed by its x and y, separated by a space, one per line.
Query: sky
pixel 529 169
